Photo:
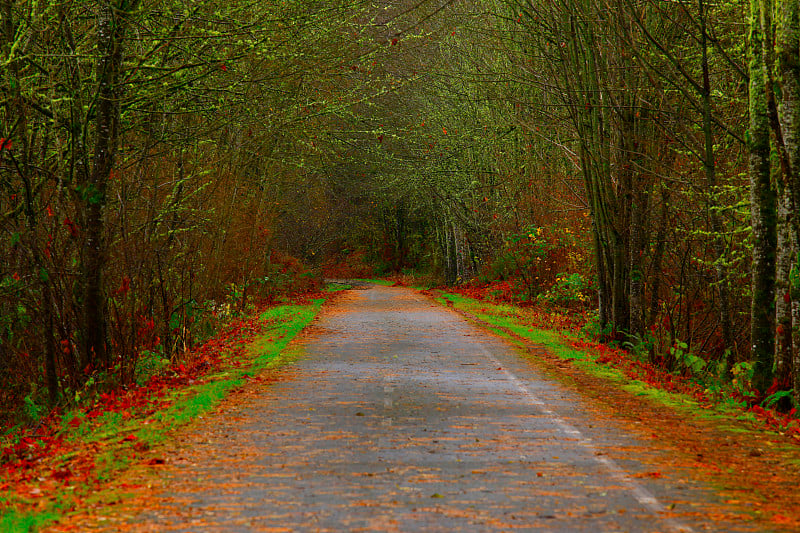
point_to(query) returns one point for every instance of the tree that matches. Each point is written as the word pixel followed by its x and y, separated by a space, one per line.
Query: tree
pixel 762 205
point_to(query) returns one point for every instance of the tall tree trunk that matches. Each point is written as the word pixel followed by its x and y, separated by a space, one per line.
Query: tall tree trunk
pixel 762 207
pixel 658 256
pixel 110 36
pixel 783 265
pixel 620 300
pixel 589 114
pixel 787 44
pixel 637 272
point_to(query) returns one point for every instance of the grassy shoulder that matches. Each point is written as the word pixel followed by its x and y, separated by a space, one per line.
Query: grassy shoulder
pixel 618 367
pixel 54 470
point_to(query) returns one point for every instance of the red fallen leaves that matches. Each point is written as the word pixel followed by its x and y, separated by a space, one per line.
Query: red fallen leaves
pixel 31 455
pixel 500 291
pixel 61 474
pixel 786 424
pixel 641 371
pixel 19 459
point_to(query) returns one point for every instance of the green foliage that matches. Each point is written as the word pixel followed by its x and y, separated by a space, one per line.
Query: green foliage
pixel 742 373
pixel 568 290
pixel 639 347
pixel 150 363
pixel 594 330
pixel 686 360
pixel 533 262
pixel 773 399
pixel 33 409
pixel 522 259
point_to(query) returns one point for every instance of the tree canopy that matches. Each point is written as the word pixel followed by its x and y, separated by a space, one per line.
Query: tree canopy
pixel 161 163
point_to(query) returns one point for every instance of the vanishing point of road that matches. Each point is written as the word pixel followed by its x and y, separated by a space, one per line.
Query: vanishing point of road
pixel 402 416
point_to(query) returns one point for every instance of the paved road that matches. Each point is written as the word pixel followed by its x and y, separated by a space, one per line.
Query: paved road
pixel 401 416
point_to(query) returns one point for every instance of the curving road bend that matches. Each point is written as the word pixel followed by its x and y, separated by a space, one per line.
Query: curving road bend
pixel 402 416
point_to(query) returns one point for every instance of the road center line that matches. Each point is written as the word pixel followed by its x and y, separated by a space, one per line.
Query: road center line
pixel 640 493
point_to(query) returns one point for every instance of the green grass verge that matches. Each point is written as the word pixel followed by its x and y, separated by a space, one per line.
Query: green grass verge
pixel 506 319
pixel 14 522
pixel 284 323
pixel 336 287
pixel 384 282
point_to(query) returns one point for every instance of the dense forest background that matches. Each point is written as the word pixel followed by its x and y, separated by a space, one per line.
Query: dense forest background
pixel 163 164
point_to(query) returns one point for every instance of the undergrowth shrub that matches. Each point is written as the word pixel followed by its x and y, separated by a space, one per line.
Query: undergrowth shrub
pixel 286 275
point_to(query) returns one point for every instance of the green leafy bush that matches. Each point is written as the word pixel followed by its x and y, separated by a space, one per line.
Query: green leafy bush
pixel 569 290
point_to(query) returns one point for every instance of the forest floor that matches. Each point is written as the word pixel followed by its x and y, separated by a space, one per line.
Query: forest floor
pixel 103 468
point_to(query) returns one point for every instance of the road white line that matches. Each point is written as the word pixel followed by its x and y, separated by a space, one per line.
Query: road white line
pixel 388 389
pixel 641 494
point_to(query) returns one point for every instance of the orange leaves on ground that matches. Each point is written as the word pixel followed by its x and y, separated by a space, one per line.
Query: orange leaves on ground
pixel 653 475
pixel 784 520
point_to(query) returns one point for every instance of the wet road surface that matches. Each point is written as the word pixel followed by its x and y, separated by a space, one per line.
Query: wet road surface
pixel 402 416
